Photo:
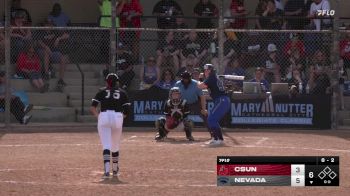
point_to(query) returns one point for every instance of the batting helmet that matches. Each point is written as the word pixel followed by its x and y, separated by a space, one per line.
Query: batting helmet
pixel 112 80
pixel 175 99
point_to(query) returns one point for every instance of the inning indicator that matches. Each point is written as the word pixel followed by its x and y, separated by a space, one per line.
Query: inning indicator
pixel 278 171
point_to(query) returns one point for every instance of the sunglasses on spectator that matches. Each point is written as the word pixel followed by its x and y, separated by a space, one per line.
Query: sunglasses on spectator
pixel 151 60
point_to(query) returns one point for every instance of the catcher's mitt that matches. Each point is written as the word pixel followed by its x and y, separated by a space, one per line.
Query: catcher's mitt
pixel 171 122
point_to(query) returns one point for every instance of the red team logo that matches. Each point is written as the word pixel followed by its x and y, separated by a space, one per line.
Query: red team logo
pixel 223 170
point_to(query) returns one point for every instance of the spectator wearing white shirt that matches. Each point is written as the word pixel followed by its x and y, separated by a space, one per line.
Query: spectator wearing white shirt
pixel 279 4
pixel 319 5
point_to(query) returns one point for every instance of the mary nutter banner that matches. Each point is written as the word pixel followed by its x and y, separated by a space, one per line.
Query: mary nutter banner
pixel 301 111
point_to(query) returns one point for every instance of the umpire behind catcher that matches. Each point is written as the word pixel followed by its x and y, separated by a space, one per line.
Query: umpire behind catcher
pixel 192 94
pixel 114 107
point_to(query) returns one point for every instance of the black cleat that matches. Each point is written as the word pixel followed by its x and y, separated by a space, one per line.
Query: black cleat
pixel 28 108
pixel 159 137
pixel 105 175
pixel 190 138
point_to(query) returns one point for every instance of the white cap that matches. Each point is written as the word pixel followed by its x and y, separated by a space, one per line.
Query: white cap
pixel 271 48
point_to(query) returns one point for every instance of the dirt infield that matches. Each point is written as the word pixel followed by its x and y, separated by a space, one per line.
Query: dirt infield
pixel 71 163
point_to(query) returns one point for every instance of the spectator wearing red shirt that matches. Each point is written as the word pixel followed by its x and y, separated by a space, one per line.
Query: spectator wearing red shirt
pixel 294 44
pixel 344 47
pixel 130 16
pixel 28 66
pixel 238 10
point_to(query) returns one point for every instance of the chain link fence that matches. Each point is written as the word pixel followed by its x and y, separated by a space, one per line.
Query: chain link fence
pixel 56 71
pixel 47 69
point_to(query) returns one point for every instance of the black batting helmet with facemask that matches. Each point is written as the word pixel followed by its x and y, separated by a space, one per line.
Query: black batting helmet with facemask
pixel 175 100
pixel 112 79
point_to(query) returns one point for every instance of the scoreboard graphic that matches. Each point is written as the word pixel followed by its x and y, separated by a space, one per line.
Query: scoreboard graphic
pixel 296 171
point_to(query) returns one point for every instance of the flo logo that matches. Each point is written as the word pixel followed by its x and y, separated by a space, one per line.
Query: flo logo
pixel 325 12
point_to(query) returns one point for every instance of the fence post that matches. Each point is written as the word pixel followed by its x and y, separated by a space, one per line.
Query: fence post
pixel 335 68
pixel 221 37
pixel 7 65
pixel 113 37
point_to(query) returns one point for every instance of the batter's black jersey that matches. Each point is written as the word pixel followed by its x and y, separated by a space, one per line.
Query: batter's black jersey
pixel 111 99
pixel 179 112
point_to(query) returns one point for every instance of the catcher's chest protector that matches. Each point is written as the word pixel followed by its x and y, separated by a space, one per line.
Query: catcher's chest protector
pixel 176 111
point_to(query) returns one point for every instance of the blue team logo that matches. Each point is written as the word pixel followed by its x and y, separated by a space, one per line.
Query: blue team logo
pixel 223 181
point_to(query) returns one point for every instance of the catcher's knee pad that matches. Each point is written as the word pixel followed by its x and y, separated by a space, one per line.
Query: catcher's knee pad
pixel 160 126
pixel 160 123
pixel 188 124
pixel 188 127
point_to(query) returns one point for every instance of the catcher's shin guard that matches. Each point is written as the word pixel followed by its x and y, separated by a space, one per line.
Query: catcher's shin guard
pixel 188 129
pixel 160 127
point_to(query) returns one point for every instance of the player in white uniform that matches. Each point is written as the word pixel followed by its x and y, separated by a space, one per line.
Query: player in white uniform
pixel 114 107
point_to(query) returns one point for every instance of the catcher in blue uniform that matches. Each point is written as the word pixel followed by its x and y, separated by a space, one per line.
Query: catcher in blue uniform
pixel 176 111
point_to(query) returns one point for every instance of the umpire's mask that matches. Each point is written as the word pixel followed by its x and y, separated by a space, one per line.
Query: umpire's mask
pixel 186 79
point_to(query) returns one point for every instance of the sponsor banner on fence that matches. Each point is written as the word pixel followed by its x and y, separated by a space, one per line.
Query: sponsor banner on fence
pixel 308 110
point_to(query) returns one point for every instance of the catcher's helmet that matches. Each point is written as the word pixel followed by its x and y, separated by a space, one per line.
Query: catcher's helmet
pixel 175 99
pixel 112 79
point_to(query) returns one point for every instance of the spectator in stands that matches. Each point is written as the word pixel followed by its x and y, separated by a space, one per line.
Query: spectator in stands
pixel 253 50
pixel 167 81
pixel 271 18
pixel 205 8
pixel 196 74
pixel 28 67
pixel 124 66
pixel 180 36
pixel 259 77
pixel 296 80
pixel 296 61
pixel 319 71
pixel 294 8
pixel 319 24
pixel 19 37
pixel 57 17
pixel 280 4
pixel 344 47
pixel 272 65
pixel 106 12
pixel 18 109
pixel 168 53
pixel 16 9
pixel 55 48
pixel 191 64
pixel 105 21
pixel 238 10
pixel 150 74
pixel 2 46
pixel 163 9
pixel 294 43
pixel 193 46
pixel 259 10
pixel 234 67
pixel 130 17
pixel 230 48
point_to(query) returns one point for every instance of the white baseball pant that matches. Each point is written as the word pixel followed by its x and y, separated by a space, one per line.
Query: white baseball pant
pixel 110 125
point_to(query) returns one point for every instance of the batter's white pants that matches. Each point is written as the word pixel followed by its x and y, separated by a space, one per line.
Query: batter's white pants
pixel 110 125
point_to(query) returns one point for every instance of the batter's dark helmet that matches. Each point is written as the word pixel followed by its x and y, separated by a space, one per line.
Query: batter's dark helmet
pixel 112 80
